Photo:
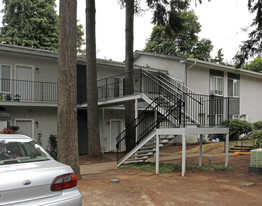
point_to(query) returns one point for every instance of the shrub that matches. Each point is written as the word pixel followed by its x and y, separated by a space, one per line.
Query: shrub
pixel 238 127
pixel 52 150
pixel 257 135
pixel 257 125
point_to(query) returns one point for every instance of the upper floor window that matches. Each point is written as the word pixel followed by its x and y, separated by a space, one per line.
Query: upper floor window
pixel 5 76
pixel 216 85
pixel 216 82
pixel 233 85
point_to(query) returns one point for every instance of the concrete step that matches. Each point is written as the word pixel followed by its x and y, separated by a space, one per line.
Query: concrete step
pixel 146 151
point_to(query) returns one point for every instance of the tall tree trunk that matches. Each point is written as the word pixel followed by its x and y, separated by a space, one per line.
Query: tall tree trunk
pixel 129 67
pixel 94 146
pixel 67 102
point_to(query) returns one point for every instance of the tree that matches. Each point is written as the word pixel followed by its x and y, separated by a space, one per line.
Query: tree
pixel 32 24
pixel 181 42
pixel 94 146
pixel 219 57
pixel 67 141
pixel 255 65
pixel 253 45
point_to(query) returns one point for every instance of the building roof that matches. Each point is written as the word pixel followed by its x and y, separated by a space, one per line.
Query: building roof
pixel 81 59
pixel 192 62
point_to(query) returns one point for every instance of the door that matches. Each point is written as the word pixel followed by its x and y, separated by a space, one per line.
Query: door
pixel 25 127
pixel 24 87
pixel 115 129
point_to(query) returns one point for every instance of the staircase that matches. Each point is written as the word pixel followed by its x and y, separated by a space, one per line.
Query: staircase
pixel 170 105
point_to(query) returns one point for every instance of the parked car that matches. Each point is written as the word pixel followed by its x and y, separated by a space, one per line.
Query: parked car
pixel 29 176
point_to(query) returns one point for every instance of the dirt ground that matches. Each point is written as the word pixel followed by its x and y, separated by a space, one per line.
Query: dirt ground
pixel 237 187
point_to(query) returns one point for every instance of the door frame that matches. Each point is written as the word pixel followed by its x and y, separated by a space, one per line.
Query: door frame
pixel 32 122
pixel 121 129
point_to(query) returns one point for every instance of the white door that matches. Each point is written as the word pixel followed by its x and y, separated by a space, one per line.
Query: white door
pixel 24 87
pixel 25 127
pixel 115 129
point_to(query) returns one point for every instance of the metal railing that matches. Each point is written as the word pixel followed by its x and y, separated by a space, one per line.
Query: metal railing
pixel 148 120
pixel 27 91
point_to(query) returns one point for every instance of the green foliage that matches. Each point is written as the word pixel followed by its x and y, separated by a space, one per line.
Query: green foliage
pixel 170 167
pixel 257 135
pixel 255 65
pixel 219 58
pixel 253 45
pixel 32 23
pixel 182 42
pixel 52 150
pixel 257 125
pixel 238 127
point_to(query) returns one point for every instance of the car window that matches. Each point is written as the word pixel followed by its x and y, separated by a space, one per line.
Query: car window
pixel 21 151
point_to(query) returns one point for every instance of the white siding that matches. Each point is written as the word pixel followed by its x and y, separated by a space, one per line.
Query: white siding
pixel 251 98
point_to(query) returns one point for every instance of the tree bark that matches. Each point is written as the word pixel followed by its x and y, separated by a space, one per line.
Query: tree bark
pixel 129 67
pixel 94 146
pixel 67 95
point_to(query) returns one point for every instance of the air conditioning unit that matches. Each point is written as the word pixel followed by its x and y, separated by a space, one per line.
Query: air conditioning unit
pixel 256 161
pixel 213 92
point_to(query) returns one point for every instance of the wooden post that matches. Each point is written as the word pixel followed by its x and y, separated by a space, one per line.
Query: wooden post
pixel 157 153
pixel 200 149
pixel 183 155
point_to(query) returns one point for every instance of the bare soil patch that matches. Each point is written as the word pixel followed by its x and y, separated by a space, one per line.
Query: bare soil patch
pixel 237 187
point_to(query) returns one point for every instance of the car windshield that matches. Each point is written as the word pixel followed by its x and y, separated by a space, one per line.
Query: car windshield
pixel 14 151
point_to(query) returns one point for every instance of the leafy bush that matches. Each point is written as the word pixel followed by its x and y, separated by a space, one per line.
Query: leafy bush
pixel 257 135
pixel 238 127
pixel 52 150
pixel 257 125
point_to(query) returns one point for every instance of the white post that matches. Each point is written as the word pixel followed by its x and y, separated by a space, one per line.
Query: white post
pixel 136 115
pixel 157 153
pixel 200 149
pixel 226 152
pixel 183 155
pixel 103 138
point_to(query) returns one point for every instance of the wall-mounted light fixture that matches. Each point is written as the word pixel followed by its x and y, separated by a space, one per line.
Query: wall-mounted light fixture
pixel 37 69
pixel 37 124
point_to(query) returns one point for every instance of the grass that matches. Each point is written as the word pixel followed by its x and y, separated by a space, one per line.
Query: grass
pixel 211 148
pixel 170 167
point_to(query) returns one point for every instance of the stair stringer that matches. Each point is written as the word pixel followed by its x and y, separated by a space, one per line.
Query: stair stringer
pixel 134 150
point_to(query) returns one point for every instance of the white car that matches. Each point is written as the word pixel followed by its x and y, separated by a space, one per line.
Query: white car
pixel 29 176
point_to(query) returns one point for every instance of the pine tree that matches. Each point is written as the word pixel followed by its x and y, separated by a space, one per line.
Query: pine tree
pixel 30 23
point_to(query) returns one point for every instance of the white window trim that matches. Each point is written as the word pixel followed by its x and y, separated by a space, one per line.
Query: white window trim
pixel 234 88
pixel 33 125
pixel 235 115
pixel 11 77
pixel 222 84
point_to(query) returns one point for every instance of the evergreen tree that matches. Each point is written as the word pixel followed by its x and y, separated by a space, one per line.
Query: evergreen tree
pixel 32 23
pixel 253 45
pixel 181 42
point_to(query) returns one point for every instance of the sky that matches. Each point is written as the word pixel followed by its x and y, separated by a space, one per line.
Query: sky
pixel 222 22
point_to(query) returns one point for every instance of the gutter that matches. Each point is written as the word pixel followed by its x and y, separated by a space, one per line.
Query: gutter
pixel 187 68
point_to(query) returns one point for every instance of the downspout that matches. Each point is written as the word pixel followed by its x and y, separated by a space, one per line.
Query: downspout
pixel 187 68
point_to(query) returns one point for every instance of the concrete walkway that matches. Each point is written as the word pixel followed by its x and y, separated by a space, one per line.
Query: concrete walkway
pixel 95 168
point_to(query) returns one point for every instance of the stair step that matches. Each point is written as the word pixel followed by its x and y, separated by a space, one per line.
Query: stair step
pixel 140 155
pixel 137 159
pixel 146 151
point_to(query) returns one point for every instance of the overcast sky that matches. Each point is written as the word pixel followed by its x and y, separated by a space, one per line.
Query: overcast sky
pixel 221 20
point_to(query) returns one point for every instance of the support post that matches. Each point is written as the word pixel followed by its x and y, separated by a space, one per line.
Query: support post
pixel 103 125
pixel 226 152
pixel 200 149
pixel 157 154
pixel 183 155
pixel 136 115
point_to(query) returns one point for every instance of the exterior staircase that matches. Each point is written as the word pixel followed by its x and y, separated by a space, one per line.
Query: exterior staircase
pixel 170 105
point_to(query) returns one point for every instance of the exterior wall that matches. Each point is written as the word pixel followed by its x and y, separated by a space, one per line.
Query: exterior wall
pixel 174 67
pixel 198 80
pixel 47 66
pixel 251 98
pixel 46 118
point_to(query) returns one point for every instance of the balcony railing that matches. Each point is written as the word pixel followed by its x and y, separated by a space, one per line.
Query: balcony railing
pixel 28 91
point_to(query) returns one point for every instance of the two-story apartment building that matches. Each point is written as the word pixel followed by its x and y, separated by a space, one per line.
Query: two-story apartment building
pixel 171 85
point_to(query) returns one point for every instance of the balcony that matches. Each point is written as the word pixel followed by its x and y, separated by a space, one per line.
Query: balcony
pixel 27 91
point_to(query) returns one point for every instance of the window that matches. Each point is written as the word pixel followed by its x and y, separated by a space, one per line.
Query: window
pixel 5 77
pixel 233 87
pixel 235 116
pixel 216 85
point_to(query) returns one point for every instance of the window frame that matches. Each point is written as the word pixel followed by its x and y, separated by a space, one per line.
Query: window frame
pixel 10 86
pixel 233 87
pixel 215 90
